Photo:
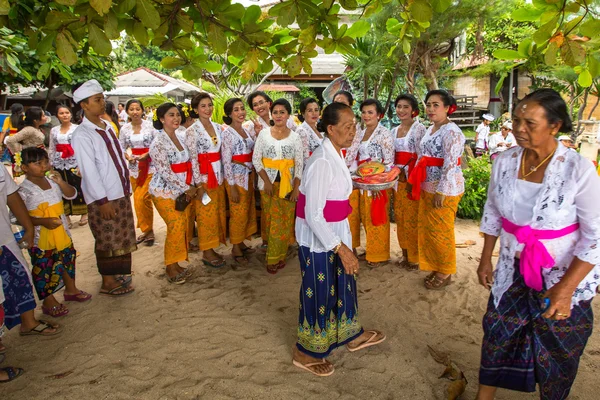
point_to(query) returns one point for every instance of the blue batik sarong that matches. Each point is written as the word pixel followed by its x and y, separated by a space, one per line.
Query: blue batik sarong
pixel 328 304
pixel 521 348
pixel 18 291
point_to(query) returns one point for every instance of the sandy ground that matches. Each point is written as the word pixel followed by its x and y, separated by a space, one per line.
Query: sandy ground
pixel 228 333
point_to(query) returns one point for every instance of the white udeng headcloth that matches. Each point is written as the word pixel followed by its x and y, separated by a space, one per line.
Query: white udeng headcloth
pixel 88 89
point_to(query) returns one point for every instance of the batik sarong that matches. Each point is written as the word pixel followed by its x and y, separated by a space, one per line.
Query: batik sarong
pixel 328 304
pixel 211 219
pixel 178 229
pixel 114 238
pixel 77 205
pixel 48 267
pixel 521 348
pixel 410 216
pixel 278 215
pixel 18 292
pixel 142 202
pixel 436 234
pixel 378 237
pixel 242 215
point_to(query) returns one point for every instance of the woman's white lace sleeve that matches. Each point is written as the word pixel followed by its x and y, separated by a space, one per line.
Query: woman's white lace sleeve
pixel 491 221
pixel 588 214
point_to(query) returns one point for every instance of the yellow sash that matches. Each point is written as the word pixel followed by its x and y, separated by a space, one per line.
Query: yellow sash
pixel 283 166
pixel 51 238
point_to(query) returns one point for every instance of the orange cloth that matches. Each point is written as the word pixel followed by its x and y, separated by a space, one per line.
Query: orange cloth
pixel 378 237
pixel 178 237
pixel 142 202
pixel 242 215
pixel 211 219
pixel 436 234
pixel 407 213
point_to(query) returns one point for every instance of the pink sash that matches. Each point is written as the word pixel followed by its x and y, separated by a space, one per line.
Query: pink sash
pixel 334 211
pixel 535 256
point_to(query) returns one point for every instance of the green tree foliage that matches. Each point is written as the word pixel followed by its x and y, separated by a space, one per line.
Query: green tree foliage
pixel 130 55
pixel 477 178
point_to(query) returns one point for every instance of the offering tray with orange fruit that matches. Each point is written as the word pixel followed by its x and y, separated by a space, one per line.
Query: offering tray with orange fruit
pixel 374 176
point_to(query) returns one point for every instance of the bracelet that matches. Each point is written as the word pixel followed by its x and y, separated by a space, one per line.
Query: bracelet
pixel 337 248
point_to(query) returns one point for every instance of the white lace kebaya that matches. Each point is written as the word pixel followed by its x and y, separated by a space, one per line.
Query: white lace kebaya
pixel 568 195
pixel 310 140
pixel 379 147
pixel 234 145
pixel 267 146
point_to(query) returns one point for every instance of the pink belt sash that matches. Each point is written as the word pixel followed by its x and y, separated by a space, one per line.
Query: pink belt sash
pixel 334 211
pixel 535 256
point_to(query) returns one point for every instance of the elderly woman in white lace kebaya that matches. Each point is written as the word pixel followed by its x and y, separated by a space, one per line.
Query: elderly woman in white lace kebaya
pixel 542 203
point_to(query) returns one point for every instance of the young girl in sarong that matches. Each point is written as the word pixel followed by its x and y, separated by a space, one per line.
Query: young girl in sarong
pixel 52 254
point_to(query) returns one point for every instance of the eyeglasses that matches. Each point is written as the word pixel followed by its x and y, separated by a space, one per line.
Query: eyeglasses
pixel 258 103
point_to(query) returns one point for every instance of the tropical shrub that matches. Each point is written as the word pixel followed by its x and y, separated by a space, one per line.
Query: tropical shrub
pixel 477 178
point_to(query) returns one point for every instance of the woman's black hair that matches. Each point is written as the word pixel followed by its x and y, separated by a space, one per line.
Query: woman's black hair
pixel 228 109
pixel 280 102
pixel 346 94
pixel 196 102
pixel 134 101
pixel 412 100
pixel 331 116
pixel 255 94
pixel 181 107
pixel 161 111
pixel 372 102
pixel 16 114
pixel 111 110
pixel 554 105
pixel 33 154
pixel 304 105
pixel 32 114
pixel 446 98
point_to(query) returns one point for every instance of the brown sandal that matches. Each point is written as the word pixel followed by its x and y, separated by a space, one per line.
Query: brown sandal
pixel 437 283
pixel 411 266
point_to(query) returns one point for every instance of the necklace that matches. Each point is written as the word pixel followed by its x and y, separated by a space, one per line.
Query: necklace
pixel 533 169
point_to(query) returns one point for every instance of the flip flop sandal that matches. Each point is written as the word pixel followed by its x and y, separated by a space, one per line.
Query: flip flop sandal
pixel 412 267
pixel 369 342
pixel 12 372
pixel 124 280
pixel 140 239
pixel 437 283
pixel 215 263
pixel 178 279
pixel 113 292
pixel 308 367
pixel 80 297
pixel 241 260
pixel 56 311
pixel 281 265
pixel 82 223
pixel 429 277
pixel 41 328
pixel 149 241
pixel 273 269
pixel 193 248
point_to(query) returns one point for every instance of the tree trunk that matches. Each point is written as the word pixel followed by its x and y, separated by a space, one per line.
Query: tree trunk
pixel 411 71
pixel 392 86
pixel 594 108
pixel 479 50
pixel 429 70
pixel 366 87
pixel 580 112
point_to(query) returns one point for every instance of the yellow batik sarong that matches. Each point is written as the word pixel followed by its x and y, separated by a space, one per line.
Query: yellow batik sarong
pixel 50 239
pixel 284 167
pixel 436 234
pixel 142 201
pixel 378 237
pixel 211 219
pixel 242 215
pixel 406 213
pixel 278 215
pixel 178 235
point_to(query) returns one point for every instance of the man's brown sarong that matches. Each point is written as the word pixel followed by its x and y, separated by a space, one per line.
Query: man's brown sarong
pixel 115 238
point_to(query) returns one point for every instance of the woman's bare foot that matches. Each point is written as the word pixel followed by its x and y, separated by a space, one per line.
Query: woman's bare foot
pixel 317 366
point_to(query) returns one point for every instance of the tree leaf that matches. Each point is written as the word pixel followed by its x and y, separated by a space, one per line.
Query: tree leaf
pixel 140 33
pixel 212 66
pixel 64 50
pixel 506 54
pixel 421 11
pixel 358 29
pixel 67 2
pixel 527 14
pixel 4 7
pixel 217 39
pixel 45 45
pixel 238 48
pixel 111 26
pixel 185 22
pixel 572 53
pixel 525 48
pixel 252 14
pixel 593 65
pixel 125 6
pixel 183 43
pixel 146 12
pixel 294 66
pixel 349 4
pixel 192 72
pixel 393 25
pixel 405 45
pixel 172 62
pixel 551 53
pixel 98 40
pixel 101 6
pixel 545 31
pixel 43 72
pixel 441 5
pixel 585 78
pixel 590 28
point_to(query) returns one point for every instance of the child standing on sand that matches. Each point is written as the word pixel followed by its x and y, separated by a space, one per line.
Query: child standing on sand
pixel 52 254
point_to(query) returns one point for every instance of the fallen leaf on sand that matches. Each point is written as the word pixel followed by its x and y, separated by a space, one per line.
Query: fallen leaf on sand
pixel 61 375
pixel 439 357
pixel 456 388
pixel 452 372
pixel 465 244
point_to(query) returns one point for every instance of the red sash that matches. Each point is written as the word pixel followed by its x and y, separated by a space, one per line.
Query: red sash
pixel 407 159
pixel 205 160
pixel 184 167
pixel 144 165
pixel 379 212
pixel 66 150
pixel 242 158
pixel 344 151
pixel 419 174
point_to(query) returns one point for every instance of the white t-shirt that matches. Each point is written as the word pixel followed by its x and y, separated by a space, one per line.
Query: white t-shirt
pixel 7 187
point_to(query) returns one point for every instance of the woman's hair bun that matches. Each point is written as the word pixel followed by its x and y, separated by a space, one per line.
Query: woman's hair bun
pixel 157 125
pixel 271 122
pixel 227 120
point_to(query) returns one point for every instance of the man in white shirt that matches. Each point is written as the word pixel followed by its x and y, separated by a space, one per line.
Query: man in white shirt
pixel 501 141
pixel 123 117
pixel 482 133
pixel 106 189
